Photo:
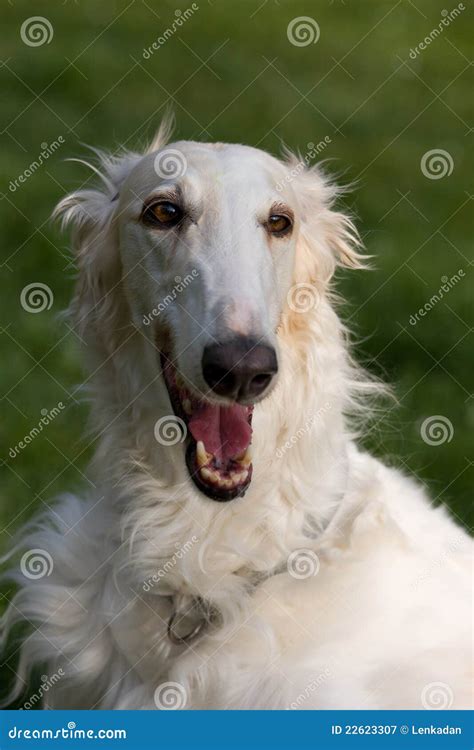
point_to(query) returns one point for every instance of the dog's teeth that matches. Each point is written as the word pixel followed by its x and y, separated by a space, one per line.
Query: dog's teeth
pixel 245 459
pixel 240 476
pixel 210 475
pixel 202 456
pixel 225 483
pixel 187 406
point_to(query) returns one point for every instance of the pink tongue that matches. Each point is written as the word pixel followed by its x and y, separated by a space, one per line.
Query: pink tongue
pixel 224 430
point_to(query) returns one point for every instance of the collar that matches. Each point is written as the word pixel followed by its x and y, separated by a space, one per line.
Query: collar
pixel 191 616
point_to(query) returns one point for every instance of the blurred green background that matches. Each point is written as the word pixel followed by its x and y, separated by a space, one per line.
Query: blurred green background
pixel 230 73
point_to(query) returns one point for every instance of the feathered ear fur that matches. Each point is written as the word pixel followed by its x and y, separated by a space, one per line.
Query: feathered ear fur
pixel 163 134
pixel 90 213
pixel 328 237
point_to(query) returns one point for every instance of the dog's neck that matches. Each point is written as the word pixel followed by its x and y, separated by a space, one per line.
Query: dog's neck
pixel 299 447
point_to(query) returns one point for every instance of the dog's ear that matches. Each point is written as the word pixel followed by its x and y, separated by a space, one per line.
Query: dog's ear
pixel 99 303
pixel 328 237
pixel 90 214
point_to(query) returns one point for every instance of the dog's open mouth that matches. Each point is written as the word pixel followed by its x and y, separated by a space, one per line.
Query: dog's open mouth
pixel 218 450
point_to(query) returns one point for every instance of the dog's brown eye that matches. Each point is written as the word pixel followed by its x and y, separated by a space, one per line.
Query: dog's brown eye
pixel 163 214
pixel 279 224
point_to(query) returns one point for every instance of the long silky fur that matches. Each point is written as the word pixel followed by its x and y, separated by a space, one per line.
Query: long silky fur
pixel 144 508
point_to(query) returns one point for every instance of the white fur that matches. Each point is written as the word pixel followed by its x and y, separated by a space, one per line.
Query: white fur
pixel 386 615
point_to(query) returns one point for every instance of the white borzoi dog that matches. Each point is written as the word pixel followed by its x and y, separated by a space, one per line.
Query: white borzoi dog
pixel 239 550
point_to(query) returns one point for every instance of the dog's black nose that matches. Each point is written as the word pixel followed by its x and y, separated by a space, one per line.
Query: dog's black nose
pixel 240 369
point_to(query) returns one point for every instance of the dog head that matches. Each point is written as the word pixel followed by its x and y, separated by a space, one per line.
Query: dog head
pixel 209 250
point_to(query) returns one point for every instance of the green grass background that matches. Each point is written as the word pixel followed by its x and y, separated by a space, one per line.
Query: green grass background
pixel 91 84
